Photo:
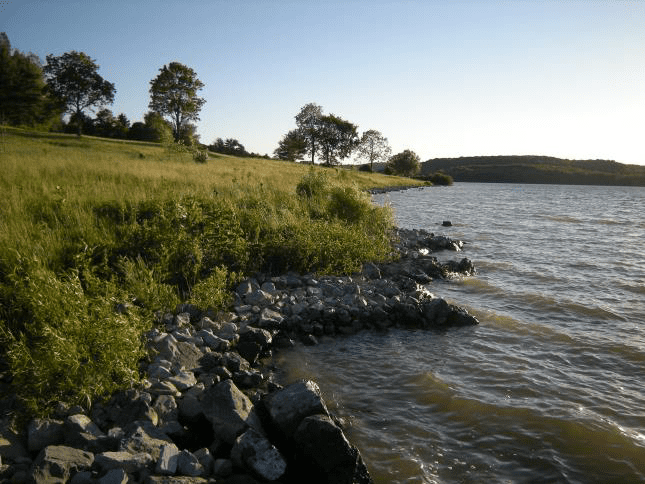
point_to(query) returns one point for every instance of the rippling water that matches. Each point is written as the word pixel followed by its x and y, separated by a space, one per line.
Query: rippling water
pixel 549 387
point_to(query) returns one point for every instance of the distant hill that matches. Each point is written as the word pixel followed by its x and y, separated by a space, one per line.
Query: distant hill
pixel 536 169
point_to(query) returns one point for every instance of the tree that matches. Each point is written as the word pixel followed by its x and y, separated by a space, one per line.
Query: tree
pixel 292 146
pixel 104 123
pixel 72 78
pixel 337 138
pixel 405 163
pixel 154 128
pixel 309 126
pixel 173 94
pixel 229 147
pixel 23 99
pixel 373 147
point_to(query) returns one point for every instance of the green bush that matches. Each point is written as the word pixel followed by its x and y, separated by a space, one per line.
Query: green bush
pixel 200 156
pixel 63 344
pixel 213 292
pixel 349 204
pixel 440 178
pixel 314 183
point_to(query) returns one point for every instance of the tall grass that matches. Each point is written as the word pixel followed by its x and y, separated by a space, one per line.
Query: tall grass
pixel 89 226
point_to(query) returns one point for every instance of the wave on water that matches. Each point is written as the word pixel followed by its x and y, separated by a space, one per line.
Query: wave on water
pixel 561 218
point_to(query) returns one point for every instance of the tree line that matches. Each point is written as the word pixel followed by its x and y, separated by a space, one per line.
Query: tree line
pixel 39 96
pixel 69 84
pixel 334 139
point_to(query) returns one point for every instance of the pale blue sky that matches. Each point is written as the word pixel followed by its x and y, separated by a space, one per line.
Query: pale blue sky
pixel 443 78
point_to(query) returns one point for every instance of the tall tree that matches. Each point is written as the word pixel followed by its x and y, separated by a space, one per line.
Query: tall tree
pixel 308 121
pixel 292 146
pixel 338 139
pixel 73 79
pixel 22 87
pixel 173 93
pixel 373 147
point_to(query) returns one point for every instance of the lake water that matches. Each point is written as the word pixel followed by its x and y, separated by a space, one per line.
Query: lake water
pixel 549 387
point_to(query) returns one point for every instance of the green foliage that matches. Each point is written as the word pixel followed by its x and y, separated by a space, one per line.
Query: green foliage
pixel 372 147
pixel 173 93
pixel 292 146
pixel 113 223
pixel 213 292
pixel 145 286
pixel 406 163
pixel 313 184
pixel 63 343
pixel 200 156
pixel 72 78
pixel 22 88
pixel 338 138
pixel 349 204
pixel 440 178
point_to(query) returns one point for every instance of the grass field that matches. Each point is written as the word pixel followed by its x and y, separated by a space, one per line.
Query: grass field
pixel 90 224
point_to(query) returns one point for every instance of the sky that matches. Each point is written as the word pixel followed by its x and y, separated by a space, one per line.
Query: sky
pixel 443 78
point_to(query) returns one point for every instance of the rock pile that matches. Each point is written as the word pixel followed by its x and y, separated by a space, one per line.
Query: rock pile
pixel 208 409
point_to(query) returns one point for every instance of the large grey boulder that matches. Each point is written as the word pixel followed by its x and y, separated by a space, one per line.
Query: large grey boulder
pixel 254 452
pixel 167 462
pixel 189 465
pixel 115 476
pixel 82 433
pixel 289 406
pixel 230 411
pixel 127 461
pixel 323 446
pixel 42 432
pixel 259 298
pixel 124 408
pixel 57 463
pixel 144 437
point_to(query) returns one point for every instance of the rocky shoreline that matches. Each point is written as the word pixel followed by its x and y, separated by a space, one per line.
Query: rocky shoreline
pixel 209 409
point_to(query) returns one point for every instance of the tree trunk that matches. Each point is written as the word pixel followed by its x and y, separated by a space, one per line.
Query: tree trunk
pixel 79 122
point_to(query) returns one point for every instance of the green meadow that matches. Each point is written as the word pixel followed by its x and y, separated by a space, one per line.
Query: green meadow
pixel 97 236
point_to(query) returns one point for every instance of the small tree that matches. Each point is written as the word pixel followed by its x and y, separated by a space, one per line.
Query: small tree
pixel 338 138
pixel 292 146
pixel 173 94
pixel 406 163
pixel 373 147
pixel 309 126
pixel 72 78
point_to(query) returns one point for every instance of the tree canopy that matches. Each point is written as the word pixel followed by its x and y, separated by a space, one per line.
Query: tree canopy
pixel 338 138
pixel 23 99
pixel 373 147
pixel 308 123
pixel 72 78
pixel 173 94
pixel 406 163
pixel 329 136
pixel 292 146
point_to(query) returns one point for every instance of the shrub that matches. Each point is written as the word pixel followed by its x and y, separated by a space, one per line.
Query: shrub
pixel 65 344
pixel 440 178
pixel 349 204
pixel 200 156
pixel 213 292
pixel 314 183
pixel 406 163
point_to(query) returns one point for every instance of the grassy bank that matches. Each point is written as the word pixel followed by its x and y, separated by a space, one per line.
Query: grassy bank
pixel 90 225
